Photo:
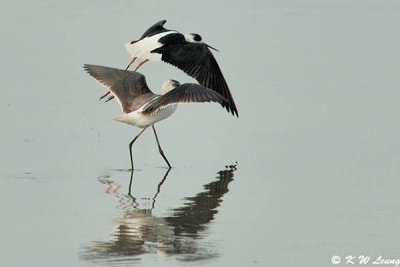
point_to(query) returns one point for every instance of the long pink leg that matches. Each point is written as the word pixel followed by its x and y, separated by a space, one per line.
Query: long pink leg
pixel 140 64
pixel 130 62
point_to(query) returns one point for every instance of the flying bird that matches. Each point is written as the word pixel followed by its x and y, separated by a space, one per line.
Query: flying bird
pixel 186 52
pixel 140 106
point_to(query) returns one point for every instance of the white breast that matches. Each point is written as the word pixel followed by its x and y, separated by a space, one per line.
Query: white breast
pixel 138 119
pixel 142 48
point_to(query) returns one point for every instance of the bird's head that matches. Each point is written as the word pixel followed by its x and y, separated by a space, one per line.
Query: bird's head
pixel 196 38
pixel 193 37
pixel 168 85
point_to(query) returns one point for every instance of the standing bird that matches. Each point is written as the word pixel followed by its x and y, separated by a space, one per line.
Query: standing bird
pixel 186 52
pixel 141 107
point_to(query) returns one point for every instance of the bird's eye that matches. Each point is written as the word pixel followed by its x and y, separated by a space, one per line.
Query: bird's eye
pixel 197 38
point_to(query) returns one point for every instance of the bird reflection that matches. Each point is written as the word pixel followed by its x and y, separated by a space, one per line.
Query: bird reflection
pixel 178 234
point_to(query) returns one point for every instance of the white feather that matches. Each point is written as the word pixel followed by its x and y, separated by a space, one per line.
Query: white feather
pixel 138 119
pixel 141 49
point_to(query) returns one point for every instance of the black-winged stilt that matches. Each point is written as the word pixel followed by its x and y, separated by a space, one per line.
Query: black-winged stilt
pixel 141 107
pixel 186 52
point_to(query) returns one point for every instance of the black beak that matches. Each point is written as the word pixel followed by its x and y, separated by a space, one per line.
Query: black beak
pixel 209 46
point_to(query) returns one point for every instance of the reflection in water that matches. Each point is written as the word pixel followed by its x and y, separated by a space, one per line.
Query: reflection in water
pixel 180 233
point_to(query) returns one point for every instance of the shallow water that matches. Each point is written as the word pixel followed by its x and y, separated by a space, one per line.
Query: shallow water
pixel 180 232
pixel 309 170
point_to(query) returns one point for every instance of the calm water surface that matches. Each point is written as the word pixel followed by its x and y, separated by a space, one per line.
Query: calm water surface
pixel 310 169
pixel 180 233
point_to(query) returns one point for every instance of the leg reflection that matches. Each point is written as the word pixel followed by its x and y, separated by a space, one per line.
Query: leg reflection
pixel 178 233
pixel 158 187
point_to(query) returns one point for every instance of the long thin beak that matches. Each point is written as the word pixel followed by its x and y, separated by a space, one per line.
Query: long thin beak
pixel 209 46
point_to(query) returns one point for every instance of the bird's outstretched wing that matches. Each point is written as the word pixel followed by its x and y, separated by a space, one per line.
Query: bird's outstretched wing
pixel 155 29
pixel 185 93
pixel 129 87
pixel 196 60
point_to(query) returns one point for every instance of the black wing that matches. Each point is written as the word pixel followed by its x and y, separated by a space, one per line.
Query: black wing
pixel 129 87
pixel 196 60
pixel 185 93
pixel 155 29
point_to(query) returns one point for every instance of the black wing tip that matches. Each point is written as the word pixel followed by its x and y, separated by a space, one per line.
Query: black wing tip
pixel 235 112
pixel 230 109
pixel 228 105
pixel 159 23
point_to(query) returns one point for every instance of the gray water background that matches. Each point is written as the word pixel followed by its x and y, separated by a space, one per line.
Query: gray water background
pixel 317 143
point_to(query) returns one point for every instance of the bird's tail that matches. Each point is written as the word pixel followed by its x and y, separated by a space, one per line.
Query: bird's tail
pixel 123 118
pixel 131 47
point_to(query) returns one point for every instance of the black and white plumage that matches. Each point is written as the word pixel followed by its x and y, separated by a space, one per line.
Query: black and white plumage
pixel 143 108
pixel 186 52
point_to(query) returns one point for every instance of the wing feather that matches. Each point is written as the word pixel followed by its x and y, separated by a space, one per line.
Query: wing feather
pixel 129 87
pixel 155 29
pixel 185 93
pixel 196 60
